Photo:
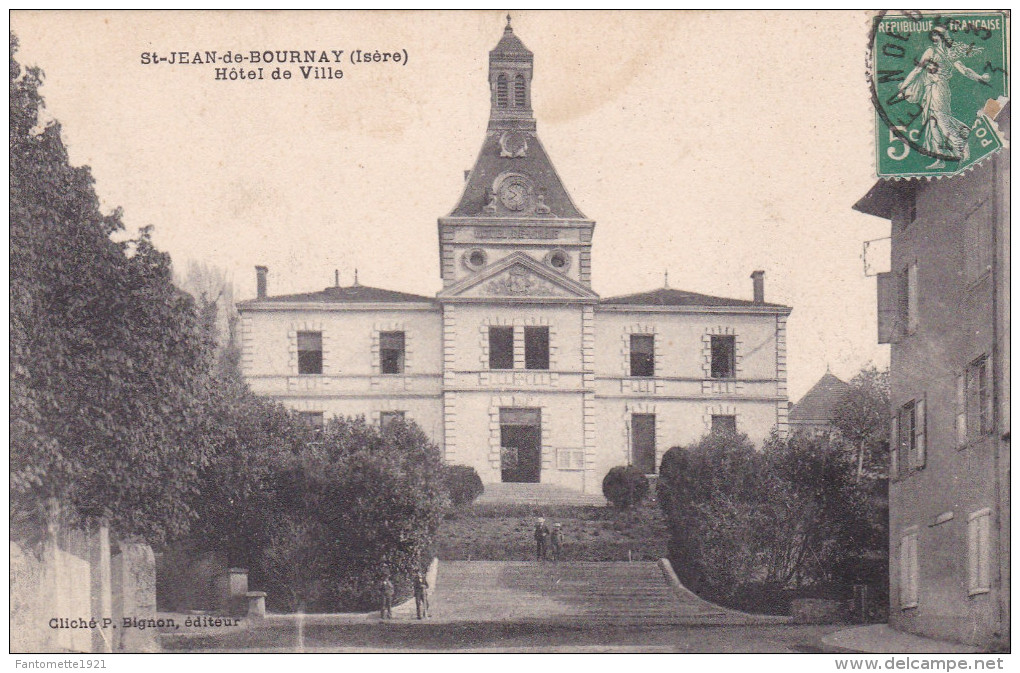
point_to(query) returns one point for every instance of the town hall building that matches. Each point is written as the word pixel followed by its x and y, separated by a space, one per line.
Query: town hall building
pixel 517 367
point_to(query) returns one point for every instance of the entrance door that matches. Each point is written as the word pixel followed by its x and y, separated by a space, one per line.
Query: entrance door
pixel 643 442
pixel 520 440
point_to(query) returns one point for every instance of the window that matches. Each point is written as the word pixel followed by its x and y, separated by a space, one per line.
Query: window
pixel 724 357
pixel 978 543
pixel 520 94
pixel 977 243
pixel 912 316
pixel 501 348
pixel 908 570
pixel 724 425
pixel 961 410
pixel 908 210
pixel 502 95
pixel 314 419
pixel 391 352
pixel 642 355
pixel 536 348
pixel 387 417
pixel 570 459
pixel 979 399
pixel 309 352
pixel 910 443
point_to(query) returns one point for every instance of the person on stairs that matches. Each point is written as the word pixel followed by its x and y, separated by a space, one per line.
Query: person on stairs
pixel 421 598
pixel 541 538
pixel 556 540
pixel 386 594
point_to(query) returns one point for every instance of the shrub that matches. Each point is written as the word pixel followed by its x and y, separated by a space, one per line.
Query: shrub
pixel 463 484
pixel 625 486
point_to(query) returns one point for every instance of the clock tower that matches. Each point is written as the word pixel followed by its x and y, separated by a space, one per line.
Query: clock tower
pixel 514 202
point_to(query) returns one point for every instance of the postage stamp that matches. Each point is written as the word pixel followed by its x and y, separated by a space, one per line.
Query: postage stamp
pixel 937 83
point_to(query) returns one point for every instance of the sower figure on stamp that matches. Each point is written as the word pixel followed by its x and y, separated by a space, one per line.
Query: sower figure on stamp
pixel 556 538
pixel 421 595
pixel 386 595
pixel 541 537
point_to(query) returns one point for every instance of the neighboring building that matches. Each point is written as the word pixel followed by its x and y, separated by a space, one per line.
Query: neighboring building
pixel 944 307
pixel 817 409
pixel 517 367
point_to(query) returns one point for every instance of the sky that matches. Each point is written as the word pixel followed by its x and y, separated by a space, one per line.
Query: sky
pixel 708 144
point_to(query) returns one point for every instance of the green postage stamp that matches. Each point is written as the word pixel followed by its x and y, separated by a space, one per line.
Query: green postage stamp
pixel 937 82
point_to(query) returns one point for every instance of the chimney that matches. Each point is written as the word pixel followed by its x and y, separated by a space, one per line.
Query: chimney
pixel 261 281
pixel 759 286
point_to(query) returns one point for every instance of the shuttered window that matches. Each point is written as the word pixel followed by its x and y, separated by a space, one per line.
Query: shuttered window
pixel 978 552
pixel 961 410
pixel 502 95
pixel 908 570
pixel 920 434
pixel 888 313
pixel 520 92
pixel 501 348
pixel 536 348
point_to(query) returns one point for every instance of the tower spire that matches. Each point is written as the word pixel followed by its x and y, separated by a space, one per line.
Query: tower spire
pixel 510 68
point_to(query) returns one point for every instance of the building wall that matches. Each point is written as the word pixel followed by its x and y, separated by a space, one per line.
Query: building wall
pixel 351 383
pixel 954 327
pixel 586 397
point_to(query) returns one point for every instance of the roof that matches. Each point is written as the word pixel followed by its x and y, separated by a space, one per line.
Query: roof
pixel 509 46
pixel 352 294
pixel 819 403
pixel 535 164
pixel 665 296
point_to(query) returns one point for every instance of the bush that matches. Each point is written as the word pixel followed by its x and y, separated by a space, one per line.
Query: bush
pixel 625 486
pixel 358 503
pixel 463 484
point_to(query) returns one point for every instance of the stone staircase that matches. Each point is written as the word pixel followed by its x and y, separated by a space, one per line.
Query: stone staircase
pixel 537 494
pixel 569 593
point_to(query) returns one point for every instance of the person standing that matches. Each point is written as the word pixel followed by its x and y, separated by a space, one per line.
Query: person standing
pixel 556 539
pixel 541 538
pixel 421 595
pixel 386 594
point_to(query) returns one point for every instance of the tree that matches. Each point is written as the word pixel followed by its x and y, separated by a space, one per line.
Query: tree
pixel 214 297
pixel 862 417
pixel 108 363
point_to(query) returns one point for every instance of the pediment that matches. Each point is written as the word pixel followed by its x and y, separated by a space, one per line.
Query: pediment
pixel 518 277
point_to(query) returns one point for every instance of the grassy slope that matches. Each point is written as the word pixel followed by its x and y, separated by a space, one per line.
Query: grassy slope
pixel 504 532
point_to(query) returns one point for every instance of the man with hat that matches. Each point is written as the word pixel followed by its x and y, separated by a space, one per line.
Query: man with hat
pixel 556 538
pixel 541 536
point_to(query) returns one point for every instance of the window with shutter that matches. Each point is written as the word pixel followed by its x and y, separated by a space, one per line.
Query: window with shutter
pixel 502 95
pixel 888 327
pixel 520 92
pixel 961 410
pixel 908 570
pixel 919 433
pixel 912 307
pixel 978 552
pixel 724 357
pixel 894 438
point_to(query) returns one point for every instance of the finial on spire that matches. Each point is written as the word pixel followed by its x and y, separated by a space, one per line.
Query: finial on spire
pixel 355 276
pixel 665 279
pixel 508 21
pixel 336 278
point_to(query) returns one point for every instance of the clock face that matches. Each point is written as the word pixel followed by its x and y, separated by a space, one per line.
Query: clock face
pixel 514 194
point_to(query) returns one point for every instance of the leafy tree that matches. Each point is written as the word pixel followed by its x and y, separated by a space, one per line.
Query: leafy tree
pixel 788 516
pixel 214 297
pixel 862 417
pixel 625 486
pixel 108 365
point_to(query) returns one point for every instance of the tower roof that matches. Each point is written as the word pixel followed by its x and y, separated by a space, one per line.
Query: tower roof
pixel 510 47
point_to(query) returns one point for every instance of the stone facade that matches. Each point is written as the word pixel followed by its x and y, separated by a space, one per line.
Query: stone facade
pixel 944 308
pixel 517 367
